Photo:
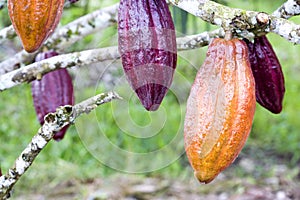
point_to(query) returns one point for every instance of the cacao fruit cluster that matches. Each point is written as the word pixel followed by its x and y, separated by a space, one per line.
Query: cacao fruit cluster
pixel 53 90
pixel 268 75
pixel 220 109
pixel 147 44
pixel 34 20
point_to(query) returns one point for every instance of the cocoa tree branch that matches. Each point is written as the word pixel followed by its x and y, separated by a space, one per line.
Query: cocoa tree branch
pixel 287 10
pixel 34 70
pixel 2 4
pixel 65 36
pixel 107 16
pixel 83 26
pixel 199 40
pixel 239 20
pixel 63 116
pixel 38 69
pixel 7 33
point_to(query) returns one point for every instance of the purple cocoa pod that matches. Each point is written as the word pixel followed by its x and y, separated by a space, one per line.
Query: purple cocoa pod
pixel 267 72
pixel 73 1
pixel 147 44
pixel 53 90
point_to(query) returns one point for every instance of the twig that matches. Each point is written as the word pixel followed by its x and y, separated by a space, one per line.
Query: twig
pixel 240 20
pixel 30 72
pixel 82 27
pixel 243 21
pixel 37 69
pixel 63 116
pixel 67 35
pixel 63 37
pixel 7 33
pixel 288 9
pixel 2 4
pixel 198 40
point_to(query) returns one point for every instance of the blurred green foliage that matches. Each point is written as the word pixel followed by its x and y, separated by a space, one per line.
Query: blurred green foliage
pixel 70 158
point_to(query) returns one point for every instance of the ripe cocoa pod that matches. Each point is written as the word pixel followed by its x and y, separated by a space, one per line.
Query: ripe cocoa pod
pixel 147 44
pixel 53 90
pixel 220 109
pixel 34 20
pixel 268 75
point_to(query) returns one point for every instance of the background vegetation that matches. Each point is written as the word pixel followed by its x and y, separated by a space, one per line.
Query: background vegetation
pixel 274 138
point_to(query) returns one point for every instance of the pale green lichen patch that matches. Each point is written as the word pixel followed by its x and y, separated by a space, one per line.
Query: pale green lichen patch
pixel 92 23
pixel 68 109
pixel 57 65
pixel 63 115
pixel 50 118
pixel 232 18
pixel 23 77
pixel 19 77
pixel 69 33
pixel 100 98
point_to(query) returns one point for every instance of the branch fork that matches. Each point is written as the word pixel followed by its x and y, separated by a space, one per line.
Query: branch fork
pixel 54 122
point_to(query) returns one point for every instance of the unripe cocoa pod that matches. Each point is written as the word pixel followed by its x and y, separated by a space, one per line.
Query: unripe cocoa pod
pixel 268 75
pixel 147 44
pixel 34 20
pixel 220 109
pixel 53 90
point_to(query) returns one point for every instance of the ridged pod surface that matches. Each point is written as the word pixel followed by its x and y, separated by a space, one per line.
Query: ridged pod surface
pixel 220 109
pixel 268 75
pixel 147 44
pixel 53 90
pixel 34 20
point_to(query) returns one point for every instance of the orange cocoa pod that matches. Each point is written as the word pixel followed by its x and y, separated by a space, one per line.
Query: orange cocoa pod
pixel 220 109
pixel 34 20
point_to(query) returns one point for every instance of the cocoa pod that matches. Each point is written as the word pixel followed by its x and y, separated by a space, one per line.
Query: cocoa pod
pixel 147 44
pixel 53 90
pixel 268 75
pixel 220 109
pixel 34 20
